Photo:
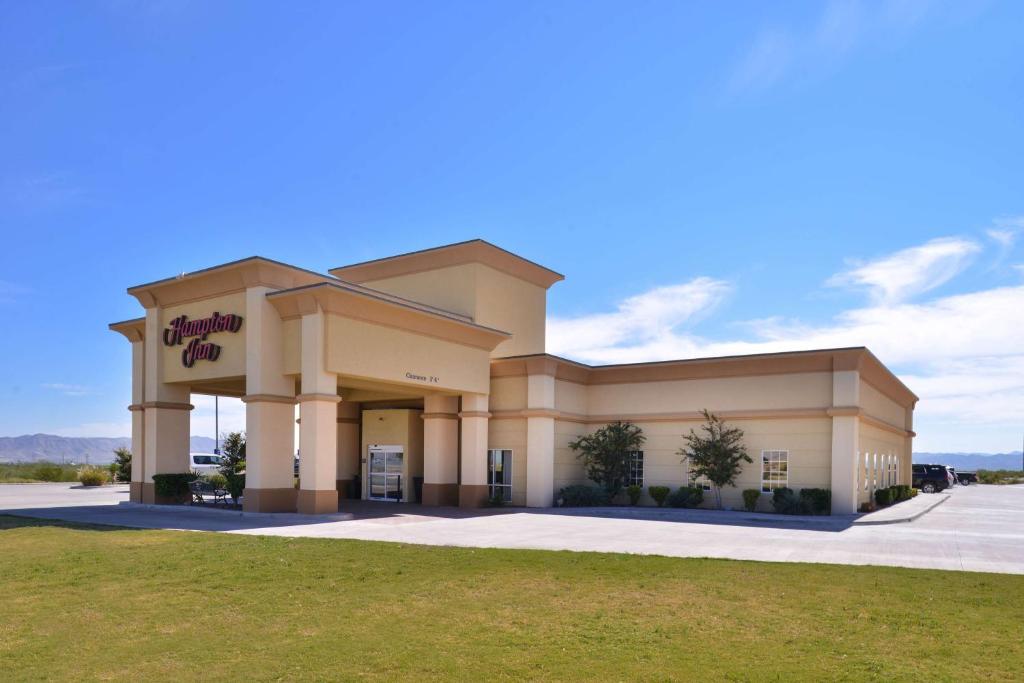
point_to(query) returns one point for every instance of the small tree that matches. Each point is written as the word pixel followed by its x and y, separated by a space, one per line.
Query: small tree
pixel 605 453
pixel 232 457
pixel 122 465
pixel 715 454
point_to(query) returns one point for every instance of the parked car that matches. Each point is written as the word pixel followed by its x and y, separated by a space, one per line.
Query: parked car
pixel 931 478
pixel 966 478
pixel 952 472
pixel 204 463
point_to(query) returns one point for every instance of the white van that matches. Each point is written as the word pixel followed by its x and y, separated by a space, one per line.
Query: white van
pixel 204 463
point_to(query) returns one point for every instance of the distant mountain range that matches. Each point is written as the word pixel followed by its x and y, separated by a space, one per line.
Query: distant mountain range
pixel 74 449
pixel 972 461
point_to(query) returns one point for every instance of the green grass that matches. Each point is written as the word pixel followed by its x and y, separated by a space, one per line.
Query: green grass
pixel 114 604
pixel 28 472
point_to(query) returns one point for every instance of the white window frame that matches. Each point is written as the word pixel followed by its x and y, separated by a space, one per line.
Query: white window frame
pixel 631 474
pixel 492 485
pixel 770 485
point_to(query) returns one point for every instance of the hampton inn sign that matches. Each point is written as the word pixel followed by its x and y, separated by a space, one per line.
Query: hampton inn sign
pixel 423 378
pixel 198 348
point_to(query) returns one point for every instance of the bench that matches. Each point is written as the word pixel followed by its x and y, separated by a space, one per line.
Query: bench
pixel 204 492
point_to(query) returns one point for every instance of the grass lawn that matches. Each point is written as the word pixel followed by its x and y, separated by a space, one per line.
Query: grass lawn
pixel 83 602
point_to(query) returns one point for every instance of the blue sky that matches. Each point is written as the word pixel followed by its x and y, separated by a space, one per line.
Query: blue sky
pixel 710 177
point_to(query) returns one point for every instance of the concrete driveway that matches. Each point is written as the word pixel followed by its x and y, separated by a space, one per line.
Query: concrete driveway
pixel 979 528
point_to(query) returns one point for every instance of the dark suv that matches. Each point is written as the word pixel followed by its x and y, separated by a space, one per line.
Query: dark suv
pixel 931 478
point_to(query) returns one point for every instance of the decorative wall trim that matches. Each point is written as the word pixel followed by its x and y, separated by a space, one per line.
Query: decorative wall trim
pixel 475 413
pixel 136 406
pixel 167 405
pixel 439 416
pixel 268 398
pixel 845 411
pixel 689 416
pixel 333 398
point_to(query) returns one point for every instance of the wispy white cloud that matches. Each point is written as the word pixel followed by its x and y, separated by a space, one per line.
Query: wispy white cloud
pixel 909 272
pixel 69 389
pixel 645 318
pixel 843 26
pixel 963 354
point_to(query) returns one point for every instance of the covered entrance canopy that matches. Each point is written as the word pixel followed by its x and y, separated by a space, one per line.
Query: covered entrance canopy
pixel 276 336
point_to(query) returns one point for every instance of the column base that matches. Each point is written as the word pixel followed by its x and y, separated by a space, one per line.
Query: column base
pixel 148 493
pixel 436 495
pixel 135 491
pixel 268 500
pixel 472 495
pixel 317 501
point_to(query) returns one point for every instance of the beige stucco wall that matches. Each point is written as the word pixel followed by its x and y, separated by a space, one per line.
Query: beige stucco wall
pixel 875 441
pixel 231 362
pixel 570 397
pixel 882 407
pixel 366 350
pixel 492 298
pixel 808 441
pixel 508 393
pixel 802 390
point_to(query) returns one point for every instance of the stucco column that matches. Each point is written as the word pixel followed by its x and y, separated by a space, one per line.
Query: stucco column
pixel 540 440
pixel 845 440
pixel 318 426
pixel 269 410
pixel 166 422
pixel 348 446
pixel 138 421
pixel 473 462
pixel 440 450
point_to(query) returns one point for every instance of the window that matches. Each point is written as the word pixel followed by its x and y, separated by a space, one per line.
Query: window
pixel 774 470
pixel 635 476
pixel 703 482
pixel 499 474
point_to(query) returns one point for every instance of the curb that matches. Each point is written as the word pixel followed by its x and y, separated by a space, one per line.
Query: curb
pixel 941 498
pixel 332 517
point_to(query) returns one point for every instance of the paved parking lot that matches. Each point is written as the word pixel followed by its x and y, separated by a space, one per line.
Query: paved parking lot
pixel 979 528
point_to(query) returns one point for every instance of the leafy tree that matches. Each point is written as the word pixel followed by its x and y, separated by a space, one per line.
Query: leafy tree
pixel 232 456
pixel 605 453
pixel 715 454
pixel 122 465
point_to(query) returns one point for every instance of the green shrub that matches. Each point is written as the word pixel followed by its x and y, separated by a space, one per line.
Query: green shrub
pixel 173 486
pixel 634 492
pixel 750 497
pixel 686 497
pixel 93 476
pixel 883 497
pixel 659 494
pixel 785 501
pixel 235 485
pixel 122 464
pixel 581 495
pixel 216 480
pixel 496 501
pixel 818 501
pixel 48 472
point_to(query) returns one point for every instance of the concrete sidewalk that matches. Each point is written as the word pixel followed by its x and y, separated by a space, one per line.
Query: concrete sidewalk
pixel 905 511
pixel 977 528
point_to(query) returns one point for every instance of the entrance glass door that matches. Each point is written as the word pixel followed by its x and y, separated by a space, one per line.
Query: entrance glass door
pixel 385 472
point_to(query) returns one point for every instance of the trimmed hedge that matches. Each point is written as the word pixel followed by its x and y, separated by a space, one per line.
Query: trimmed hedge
pixel 818 501
pixel 894 494
pixel 634 492
pixel 581 495
pixel 174 486
pixel 750 497
pixel 686 497
pixel 659 494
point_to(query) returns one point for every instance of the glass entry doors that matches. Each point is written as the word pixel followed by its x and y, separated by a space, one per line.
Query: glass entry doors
pixel 385 473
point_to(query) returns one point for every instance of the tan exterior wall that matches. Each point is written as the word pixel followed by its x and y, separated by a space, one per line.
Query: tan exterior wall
pixel 490 297
pixel 364 350
pixel 508 393
pixel 881 442
pixel 292 342
pixel 231 362
pixel 808 441
pixel 804 390
pixel 882 407
pixel 571 397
